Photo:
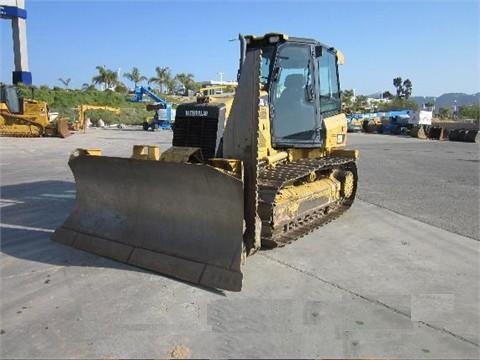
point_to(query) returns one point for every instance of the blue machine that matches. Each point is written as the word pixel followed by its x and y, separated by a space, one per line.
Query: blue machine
pixel 158 122
pixel 398 121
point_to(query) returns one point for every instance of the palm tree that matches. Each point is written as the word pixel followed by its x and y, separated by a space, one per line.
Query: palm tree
pixel 106 77
pixel 170 85
pixel 407 88
pixel 112 79
pixel 65 82
pixel 186 80
pixel 135 76
pixel 397 82
pixel 163 78
pixel 101 78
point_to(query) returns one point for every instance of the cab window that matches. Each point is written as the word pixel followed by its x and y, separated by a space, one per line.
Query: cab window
pixel 328 80
pixel 294 112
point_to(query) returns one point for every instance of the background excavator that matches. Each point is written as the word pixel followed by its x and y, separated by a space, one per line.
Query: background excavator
pixel 270 171
pixel 80 123
pixel 26 117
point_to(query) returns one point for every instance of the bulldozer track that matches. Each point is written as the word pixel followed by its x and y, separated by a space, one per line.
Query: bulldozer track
pixel 20 121
pixel 272 180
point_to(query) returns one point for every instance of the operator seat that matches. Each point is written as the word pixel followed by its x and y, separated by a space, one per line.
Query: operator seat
pixel 294 89
pixel 293 114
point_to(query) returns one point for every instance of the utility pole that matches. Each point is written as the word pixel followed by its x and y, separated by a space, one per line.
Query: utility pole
pixel 15 11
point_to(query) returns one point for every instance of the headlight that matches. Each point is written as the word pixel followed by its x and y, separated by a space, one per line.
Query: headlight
pixel 340 138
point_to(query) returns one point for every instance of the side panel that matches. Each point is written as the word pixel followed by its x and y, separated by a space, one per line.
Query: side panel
pixel 336 131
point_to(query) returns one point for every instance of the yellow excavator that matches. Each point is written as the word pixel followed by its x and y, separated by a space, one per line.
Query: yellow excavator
pixel 26 117
pixel 80 124
pixel 261 173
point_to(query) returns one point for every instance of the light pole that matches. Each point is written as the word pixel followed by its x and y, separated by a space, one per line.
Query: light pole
pixel 221 82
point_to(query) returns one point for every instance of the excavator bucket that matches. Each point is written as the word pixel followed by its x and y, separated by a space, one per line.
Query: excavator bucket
pixel 179 219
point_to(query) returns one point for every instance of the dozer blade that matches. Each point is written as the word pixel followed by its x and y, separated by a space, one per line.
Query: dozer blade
pixel 62 128
pixel 181 220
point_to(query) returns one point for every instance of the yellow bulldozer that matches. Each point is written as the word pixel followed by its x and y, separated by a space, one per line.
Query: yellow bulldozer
pixel 271 171
pixel 27 117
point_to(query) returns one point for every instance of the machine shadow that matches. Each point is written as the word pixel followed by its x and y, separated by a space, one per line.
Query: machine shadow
pixel 30 213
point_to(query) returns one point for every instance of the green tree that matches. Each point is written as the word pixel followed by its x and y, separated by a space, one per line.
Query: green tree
pixel 398 104
pixel 387 95
pixel 407 88
pixel 170 85
pixel 121 88
pixel 397 82
pixel 106 77
pixel 186 80
pixel 88 87
pixel 444 113
pixel 347 100
pixel 360 104
pixel 470 112
pixel 135 76
pixel 65 82
pixel 403 89
pixel 163 78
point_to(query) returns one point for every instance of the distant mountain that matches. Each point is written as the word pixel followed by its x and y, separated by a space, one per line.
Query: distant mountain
pixel 448 100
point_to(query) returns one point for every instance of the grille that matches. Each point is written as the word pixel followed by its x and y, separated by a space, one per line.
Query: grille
pixel 196 132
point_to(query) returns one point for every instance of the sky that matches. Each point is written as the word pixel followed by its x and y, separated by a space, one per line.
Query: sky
pixel 435 44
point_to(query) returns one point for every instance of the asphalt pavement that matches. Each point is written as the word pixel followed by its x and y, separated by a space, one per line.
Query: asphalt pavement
pixel 435 182
pixel 397 276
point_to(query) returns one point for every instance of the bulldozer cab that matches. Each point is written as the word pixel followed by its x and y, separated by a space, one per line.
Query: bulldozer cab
pixel 301 78
pixel 11 97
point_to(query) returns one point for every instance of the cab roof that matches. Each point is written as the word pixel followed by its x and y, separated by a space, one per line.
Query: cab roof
pixel 274 37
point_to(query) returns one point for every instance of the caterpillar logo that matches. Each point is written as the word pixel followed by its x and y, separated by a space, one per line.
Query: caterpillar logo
pixel 196 112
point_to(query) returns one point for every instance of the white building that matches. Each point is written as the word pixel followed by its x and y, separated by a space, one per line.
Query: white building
pixel 218 83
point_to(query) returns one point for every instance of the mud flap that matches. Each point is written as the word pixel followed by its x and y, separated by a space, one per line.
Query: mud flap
pixel 181 220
